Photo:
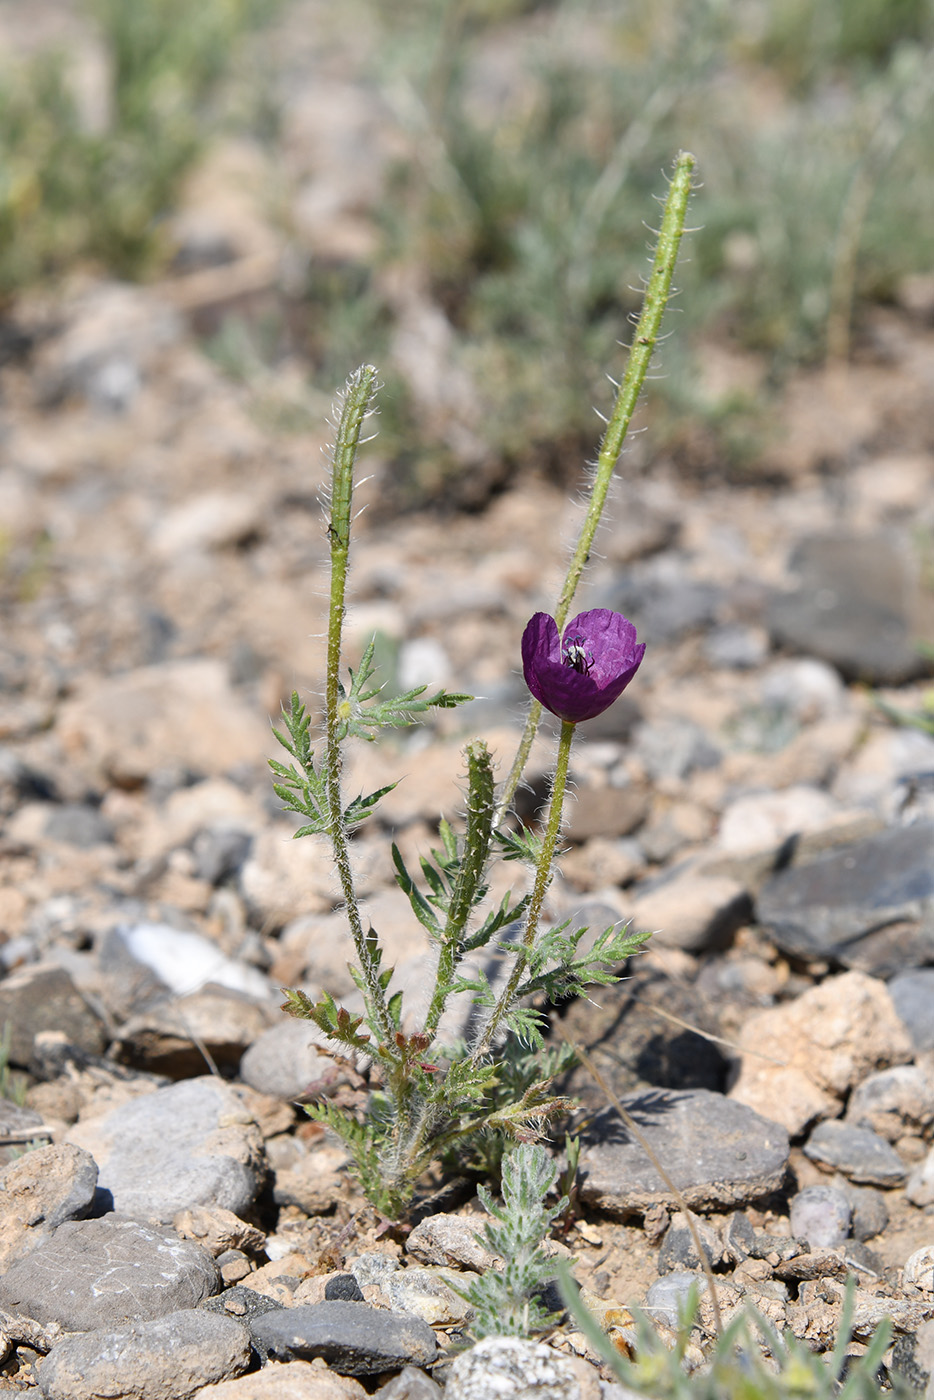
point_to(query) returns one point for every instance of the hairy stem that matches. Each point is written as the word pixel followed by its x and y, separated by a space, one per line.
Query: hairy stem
pixel 543 873
pixel 641 351
pixel 355 405
pixel 470 875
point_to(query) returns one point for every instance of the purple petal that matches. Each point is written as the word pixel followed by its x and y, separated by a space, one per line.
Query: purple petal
pixel 609 642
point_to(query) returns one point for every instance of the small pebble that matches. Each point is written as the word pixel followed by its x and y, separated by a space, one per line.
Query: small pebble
pixel 821 1215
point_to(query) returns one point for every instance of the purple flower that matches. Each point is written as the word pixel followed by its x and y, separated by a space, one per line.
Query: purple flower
pixel 579 675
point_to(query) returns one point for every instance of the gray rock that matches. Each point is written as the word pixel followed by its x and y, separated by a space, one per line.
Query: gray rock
pixel 102 1273
pixel 219 852
pixel 858 1153
pixel 674 748
pixel 920 1188
pixel 343 1288
pixel 913 995
pixel 410 1384
pixel 44 998
pixel 607 811
pixel 40 1191
pixel 190 1144
pixel 679 1252
pixel 168 1035
pixel 718 1152
pixel 511 1369
pixel 283 1061
pixel 893 1102
pixel 855 606
pixel 824 909
pixel 870 1214
pixel 662 599
pixel 241 1303
pixel 166 1358
pixel 735 647
pixel 667 1297
pixel 821 1215
pixel 353 1338
pixel 78 824
pixel 444 1239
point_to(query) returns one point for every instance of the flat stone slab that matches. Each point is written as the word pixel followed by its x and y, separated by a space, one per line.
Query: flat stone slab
pixel 858 1153
pixel 825 909
pixel 353 1338
pixel 174 1355
pixel 103 1273
pixel 719 1153
pixel 190 1144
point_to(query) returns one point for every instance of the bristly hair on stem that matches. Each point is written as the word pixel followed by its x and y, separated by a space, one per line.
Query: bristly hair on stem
pixel 431 1092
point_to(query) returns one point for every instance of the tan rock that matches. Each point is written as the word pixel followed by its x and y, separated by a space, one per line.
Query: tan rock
pixel 692 911
pixel 217 1229
pixel 824 1043
pixel 181 712
pixel 289 1380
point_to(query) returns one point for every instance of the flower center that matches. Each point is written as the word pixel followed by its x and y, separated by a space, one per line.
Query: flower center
pixel 574 655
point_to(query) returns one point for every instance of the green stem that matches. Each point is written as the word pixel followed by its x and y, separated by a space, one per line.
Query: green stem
pixel 640 357
pixel 357 398
pixel 470 876
pixel 543 872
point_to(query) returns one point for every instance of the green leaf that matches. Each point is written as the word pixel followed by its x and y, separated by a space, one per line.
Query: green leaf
pixel 362 807
pixel 420 907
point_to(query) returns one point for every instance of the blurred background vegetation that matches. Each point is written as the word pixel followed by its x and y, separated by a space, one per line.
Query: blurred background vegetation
pixel 532 140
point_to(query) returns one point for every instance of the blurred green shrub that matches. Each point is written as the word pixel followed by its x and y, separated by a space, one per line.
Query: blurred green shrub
pixel 70 193
pixel 537 132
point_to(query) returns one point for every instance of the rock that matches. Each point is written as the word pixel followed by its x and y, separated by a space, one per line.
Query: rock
pixel 167 1037
pixel 764 821
pixel 718 1153
pixel 894 1101
pixel 919 1269
pixel 293 1380
pixel 920 1187
pixel 450 1239
pixel 353 1338
pixel 410 1384
pixel 189 1144
pixel 427 1294
pixel 283 1060
pixel 821 1215
pixel 661 598
pixel 855 607
pixel 736 648
pixel 113 332
pixel 209 521
pixel 826 1041
pixel 78 824
pixel 241 1303
pixel 858 1153
pixel 92 1274
pixel 608 812
pixel 674 748
pixel 167 1358
pixel 44 998
pixel 870 1212
pixel 824 909
pixel 913 997
pixel 40 1191
pixel 511 1369
pixel 667 1297
pixel 217 1230
pixel 690 910
pixel 183 961
pixel 19 1125
pixel 180 712
pixel 283 880
pixel 219 853
pixel 679 1251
